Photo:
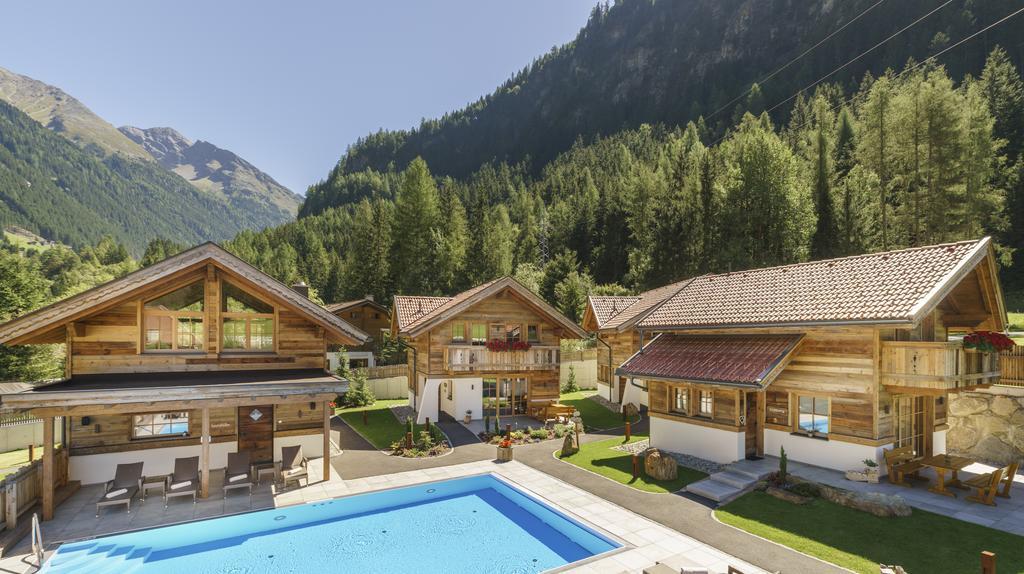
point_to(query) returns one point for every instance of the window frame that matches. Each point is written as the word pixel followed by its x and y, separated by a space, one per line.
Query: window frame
pixel 461 340
pixel 797 429
pixel 248 317
pixel 174 316
pixel 134 426
pixel 700 403
pixel 472 335
pixel 536 329
pixel 511 328
pixel 675 393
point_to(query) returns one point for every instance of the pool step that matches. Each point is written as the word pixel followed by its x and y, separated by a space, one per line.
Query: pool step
pixel 115 560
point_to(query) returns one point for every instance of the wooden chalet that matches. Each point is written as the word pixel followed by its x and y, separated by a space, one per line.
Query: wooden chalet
pixel 494 349
pixel 368 316
pixel 199 354
pixel 834 360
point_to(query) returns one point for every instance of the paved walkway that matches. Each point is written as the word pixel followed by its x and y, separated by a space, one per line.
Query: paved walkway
pixel 684 515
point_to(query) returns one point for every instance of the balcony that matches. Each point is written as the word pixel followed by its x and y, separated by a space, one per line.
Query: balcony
pixel 469 358
pixel 932 368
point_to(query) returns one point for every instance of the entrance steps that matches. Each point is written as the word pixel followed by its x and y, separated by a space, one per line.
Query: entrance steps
pixel 737 479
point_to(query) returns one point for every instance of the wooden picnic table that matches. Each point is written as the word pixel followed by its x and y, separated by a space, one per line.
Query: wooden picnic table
pixel 943 464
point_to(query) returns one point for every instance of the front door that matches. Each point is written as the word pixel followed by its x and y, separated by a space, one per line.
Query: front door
pixel 914 422
pixel 256 432
pixel 750 414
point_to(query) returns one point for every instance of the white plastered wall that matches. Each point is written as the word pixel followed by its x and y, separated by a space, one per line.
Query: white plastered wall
pixel 467 395
pixel 605 391
pixel 712 444
pixel 635 394
pixel 427 406
pixel 312 444
pixel 832 454
pixel 97 468
pixel 939 442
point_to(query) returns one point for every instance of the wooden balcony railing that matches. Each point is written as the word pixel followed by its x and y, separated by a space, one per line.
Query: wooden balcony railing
pixel 934 367
pixel 1011 367
pixel 477 358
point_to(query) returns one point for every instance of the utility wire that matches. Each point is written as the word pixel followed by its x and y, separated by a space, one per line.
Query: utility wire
pixel 793 61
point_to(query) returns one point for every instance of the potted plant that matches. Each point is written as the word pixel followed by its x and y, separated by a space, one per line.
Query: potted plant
pixel 505 450
pixel 868 474
pixel 469 416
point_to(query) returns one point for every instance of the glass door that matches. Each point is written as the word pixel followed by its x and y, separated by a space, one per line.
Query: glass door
pixel 505 396
pixel 912 424
pixel 490 392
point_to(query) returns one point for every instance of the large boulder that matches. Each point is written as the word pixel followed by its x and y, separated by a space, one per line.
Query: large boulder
pixel 630 411
pixel 1004 406
pixel 568 446
pixel 883 505
pixel 961 437
pixel 660 466
pixel 964 405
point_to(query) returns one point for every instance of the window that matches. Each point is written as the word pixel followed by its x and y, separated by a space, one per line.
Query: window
pixel 707 403
pixel 533 333
pixel 376 315
pixel 159 424
pixel 458 332
pixel 479 334
pixel 813 415
pixel 681 400
pixel 174 321
pixel 354 315
pixel 513 333
pixel 248 321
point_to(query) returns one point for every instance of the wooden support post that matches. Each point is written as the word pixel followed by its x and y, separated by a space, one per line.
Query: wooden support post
pixel 31 452
pixel 365 420
pixel 204 460
pixel 627 431
pixel 988 562
pixel 48 468
pixel 508 431
pixel 636 466
pixel 408 440
pixel 327 441
pixel 11 506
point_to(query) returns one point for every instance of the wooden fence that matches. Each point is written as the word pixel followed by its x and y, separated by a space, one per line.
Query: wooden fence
pixel 23 489
pixel 1011 366
pixel 581 355
pixel 386 371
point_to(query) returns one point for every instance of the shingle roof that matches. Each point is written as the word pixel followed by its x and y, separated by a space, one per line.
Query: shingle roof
pixel 63 310
pixel 335 307
pixel 889 287
pixel 722 359
pixel 416 312
pixel 607 306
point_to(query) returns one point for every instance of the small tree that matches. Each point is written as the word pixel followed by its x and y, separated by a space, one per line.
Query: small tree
pixel 783 461
pixel 571 386
pixel 359 393
pixel 343 370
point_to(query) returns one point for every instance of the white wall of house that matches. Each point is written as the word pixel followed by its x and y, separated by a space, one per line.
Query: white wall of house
pixel 312 444
pixel 832 454
pixel 939 442
pixel 467 395
pixel 712 444
pixel 333 358
pixel 97 468
pixel 605 391
pixel 427 406
pixel 635 394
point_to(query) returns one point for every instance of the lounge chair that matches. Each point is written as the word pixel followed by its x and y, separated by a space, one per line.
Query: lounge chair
pixel 126 484
pixel 902 464
pixel 1008 473
pixel 238 474
pixel 986 486
pixel 293 465
pixel 185 479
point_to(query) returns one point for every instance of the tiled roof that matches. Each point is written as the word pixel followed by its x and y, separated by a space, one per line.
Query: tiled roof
pixel 61 311
pixel 335 307
pixel 880 287
pixel 620 312
pixel 607 306
pixel 723 359
pixel 416 312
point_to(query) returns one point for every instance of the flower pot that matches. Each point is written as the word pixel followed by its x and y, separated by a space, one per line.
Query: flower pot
pixel 872 474
pixel 467 419
pixel 504 454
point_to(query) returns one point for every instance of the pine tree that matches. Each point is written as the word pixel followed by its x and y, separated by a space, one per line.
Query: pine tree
pixel 823 242
pixel 417 218
pixel 498 245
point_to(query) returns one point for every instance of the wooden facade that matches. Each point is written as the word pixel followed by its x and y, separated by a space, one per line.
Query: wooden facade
pixel 366 315
pixel 243 366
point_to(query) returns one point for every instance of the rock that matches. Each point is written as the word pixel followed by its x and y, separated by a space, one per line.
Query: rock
pixel 961 438
pixel 1003 406
pixel 631 411
pixel 965 405
pixel 660 466
pixel 787 495
pixel 992 449
pixel 878 504
pixel 568 446
pixel 992 425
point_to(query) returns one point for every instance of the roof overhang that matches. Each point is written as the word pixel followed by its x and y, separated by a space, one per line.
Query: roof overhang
pixel 740 360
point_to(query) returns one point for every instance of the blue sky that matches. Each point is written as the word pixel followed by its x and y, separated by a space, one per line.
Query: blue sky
pixel 285 84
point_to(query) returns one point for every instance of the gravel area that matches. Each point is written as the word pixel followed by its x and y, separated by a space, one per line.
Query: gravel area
pixel 634 447
pixel 613 407
pixel 403 412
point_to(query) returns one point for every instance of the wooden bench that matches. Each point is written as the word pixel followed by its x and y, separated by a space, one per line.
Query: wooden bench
pixel 902 464
pixel 986 485
pixel 1008 473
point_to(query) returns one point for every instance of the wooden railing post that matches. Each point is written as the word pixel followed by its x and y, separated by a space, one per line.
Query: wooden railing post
pixel 11 503
pixel 988 562
pixel 48 460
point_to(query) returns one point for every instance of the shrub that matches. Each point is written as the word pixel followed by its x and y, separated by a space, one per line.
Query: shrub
pixel 359 393
pixel 571 386
pixel 783 464
pixel 541 434
pixel 561 430
pixel 517 435
pixel 343 370
pixel 808 489
pixel 426 440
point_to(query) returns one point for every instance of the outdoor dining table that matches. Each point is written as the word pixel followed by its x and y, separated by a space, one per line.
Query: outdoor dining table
pixel 944 463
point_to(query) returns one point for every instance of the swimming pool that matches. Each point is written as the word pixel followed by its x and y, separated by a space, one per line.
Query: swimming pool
pixel 475 524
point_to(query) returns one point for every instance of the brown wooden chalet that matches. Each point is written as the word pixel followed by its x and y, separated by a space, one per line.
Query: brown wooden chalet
pixel 199 354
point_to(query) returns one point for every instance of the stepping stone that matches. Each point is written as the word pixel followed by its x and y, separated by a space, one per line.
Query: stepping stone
pixel 714 490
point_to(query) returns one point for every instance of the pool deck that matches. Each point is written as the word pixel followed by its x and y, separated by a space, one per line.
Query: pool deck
pixel 645 541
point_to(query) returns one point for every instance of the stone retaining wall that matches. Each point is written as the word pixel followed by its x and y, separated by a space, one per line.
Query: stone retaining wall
pixel 987 425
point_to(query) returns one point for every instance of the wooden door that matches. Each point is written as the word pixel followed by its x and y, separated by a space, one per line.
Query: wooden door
pixel 256 432
pixel 750 414
pixel 622 388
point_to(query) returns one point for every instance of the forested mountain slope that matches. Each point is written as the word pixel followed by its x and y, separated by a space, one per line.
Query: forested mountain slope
pixel 672 61
pixel 52 187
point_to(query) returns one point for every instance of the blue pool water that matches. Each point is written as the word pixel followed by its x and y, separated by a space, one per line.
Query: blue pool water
pixel 475 525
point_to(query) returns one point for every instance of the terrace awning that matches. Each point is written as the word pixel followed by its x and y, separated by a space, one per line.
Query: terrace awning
pixel 751 361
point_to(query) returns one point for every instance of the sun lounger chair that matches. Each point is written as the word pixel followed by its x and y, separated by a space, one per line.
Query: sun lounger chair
pixel 126 484
pixel 902 464
pixel 1008 474
pixel 293 465
pixel 986 486
pixel 185 479
pixel 238 474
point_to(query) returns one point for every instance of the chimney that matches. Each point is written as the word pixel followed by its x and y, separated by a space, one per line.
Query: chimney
pixel 302 289
pixel 368 297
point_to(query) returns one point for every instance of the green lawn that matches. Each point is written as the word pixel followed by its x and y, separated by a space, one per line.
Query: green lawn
pixel 15 459
pixel 1016 321
pixel 618 465
pixel 382 427
pixel 595 416
pixel 923 542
